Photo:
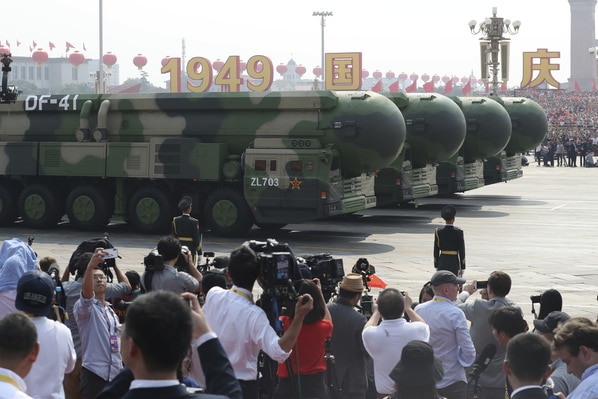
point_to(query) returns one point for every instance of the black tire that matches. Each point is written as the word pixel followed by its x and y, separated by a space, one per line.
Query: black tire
pixel 87 208
pixel 40 207
pixel 8 204
pixel 227 213
pixel 150 211
pixel 270 226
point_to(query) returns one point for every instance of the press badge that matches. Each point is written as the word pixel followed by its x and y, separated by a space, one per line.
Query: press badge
pixel 114 343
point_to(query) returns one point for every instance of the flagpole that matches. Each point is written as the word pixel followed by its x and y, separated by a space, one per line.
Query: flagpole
pixel 100 68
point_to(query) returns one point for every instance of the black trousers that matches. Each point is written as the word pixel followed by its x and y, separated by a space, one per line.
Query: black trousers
pixel 312 386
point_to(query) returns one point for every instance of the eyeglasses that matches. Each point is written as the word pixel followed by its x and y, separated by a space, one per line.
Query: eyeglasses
pixel 98 277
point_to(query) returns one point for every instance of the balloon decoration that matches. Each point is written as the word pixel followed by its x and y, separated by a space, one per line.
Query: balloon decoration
pixel 140 61
pixel 109 59
pixel 40 56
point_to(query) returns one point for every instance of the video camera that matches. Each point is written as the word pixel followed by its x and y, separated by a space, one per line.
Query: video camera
pixel 327 269
pixel 278 266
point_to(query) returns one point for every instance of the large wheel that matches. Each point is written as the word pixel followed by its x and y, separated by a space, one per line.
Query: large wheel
pixel 87 208
pixel 227 213
pixel 8 204
pixel 40 207
pixel 150 211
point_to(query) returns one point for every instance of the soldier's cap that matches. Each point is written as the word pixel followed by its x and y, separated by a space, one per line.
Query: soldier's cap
pixel 448 212
pixel 551 321
pixel 418 366
pixel 35 293
pixel 185 203
pixel 445 277
pixel 352 282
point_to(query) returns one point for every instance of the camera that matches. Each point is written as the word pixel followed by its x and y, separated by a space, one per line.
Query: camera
pixel 111 253
pixel 362 266
pixel 366 305
pixel 535 298
pixel 328 270
pixel 481 284
pixel 278 266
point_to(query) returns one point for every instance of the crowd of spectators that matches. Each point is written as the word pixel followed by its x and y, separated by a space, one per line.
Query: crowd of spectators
pixel 452 345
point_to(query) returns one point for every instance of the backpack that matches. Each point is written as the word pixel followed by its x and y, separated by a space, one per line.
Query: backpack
pixel 90 246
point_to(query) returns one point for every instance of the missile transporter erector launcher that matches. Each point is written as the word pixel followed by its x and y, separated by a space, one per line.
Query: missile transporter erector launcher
pixel 265 158
pixel 435 132
pixel 488 132
pixel 529 127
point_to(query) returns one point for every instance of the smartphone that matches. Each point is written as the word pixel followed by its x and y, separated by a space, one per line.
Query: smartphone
pixel 111 253
pixel 481 284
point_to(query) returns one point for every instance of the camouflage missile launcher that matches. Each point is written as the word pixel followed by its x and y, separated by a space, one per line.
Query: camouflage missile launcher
pixel 435 132
pixel 488 132
pixel 529 125
pixel 265 158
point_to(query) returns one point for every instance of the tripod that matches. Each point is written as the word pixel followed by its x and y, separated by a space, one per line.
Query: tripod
pixel 334 390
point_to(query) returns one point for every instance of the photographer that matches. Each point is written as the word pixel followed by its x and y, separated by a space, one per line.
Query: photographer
pixel 72 290
pixel 492 380
pixel 309 351
pixel 161 273
pixel 243 327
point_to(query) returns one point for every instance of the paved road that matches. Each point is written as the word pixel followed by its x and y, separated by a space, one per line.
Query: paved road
pixel 540 229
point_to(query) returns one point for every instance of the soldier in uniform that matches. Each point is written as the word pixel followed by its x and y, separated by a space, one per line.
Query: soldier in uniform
pixel 449 244
pixel 186 228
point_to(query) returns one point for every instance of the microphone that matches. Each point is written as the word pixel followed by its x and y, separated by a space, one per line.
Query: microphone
pixel 482 362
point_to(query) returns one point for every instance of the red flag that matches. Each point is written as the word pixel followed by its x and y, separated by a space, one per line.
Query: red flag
pixel 394 88
pixel 69 46
pixel 7 43
pixel 51 45
pixel 577 88
pixel 34 44
pixel 30 49
pixel 377 87
pixel 503 86
pixel 84 49
pixel 449 87
pixel 376 282
pixel 594 85
pixel 412 87
pixel 18 43
pixel 467 88
pixel 429 86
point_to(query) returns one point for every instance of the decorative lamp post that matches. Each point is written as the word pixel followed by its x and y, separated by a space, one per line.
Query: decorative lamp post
pixel 323 15
pixel 109 59
pixel 140 61
pixel 494 43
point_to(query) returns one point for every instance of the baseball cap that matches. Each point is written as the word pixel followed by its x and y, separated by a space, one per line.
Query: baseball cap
pixel 418 366
pixel 551 321
pixel 35 293
pixel 445 277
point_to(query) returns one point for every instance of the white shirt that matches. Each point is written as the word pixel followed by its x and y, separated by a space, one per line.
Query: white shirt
pixel 450 338
pixel 243 329
pixel 12 386
pixel 385 343
pixel 56 357
pixel 7 302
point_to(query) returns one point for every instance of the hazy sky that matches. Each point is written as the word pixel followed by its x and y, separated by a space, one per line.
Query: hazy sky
pixel 423 36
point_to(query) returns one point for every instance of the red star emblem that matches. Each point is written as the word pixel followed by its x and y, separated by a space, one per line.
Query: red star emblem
pixel 295 184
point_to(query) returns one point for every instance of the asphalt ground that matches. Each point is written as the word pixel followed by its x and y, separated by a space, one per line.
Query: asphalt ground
pixel 541 229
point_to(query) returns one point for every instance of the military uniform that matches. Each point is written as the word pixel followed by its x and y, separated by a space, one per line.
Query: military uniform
pixel 186 229
pixel 449 245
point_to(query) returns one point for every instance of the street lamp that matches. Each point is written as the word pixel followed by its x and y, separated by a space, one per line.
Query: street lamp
pixel 323 15
pixel 494 42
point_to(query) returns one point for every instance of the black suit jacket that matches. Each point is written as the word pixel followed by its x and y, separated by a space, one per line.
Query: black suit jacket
pixel 220 380
pixel 532 393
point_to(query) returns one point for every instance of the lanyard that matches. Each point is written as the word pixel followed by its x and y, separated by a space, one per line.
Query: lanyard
pixel 437 299
pixel 12 382
pixel 243 294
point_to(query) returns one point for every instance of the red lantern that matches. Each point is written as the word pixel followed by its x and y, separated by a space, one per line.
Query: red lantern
pixel 464 79
pixel 402 76
pixel 446 78
pixel 413 77
pixel 364 73
pixel 218 65
pixel 4 50
pixel 165 60
pixel 139 61
pixel 242 66
pixel 425 77
pixel 109 59
pixel 282 69
pixel 436 78
pixel 317 71
pixel 390 75
pixel 40 56
pixel 377 74
pixel 300 70
pixel 76 59
pixel 455 79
